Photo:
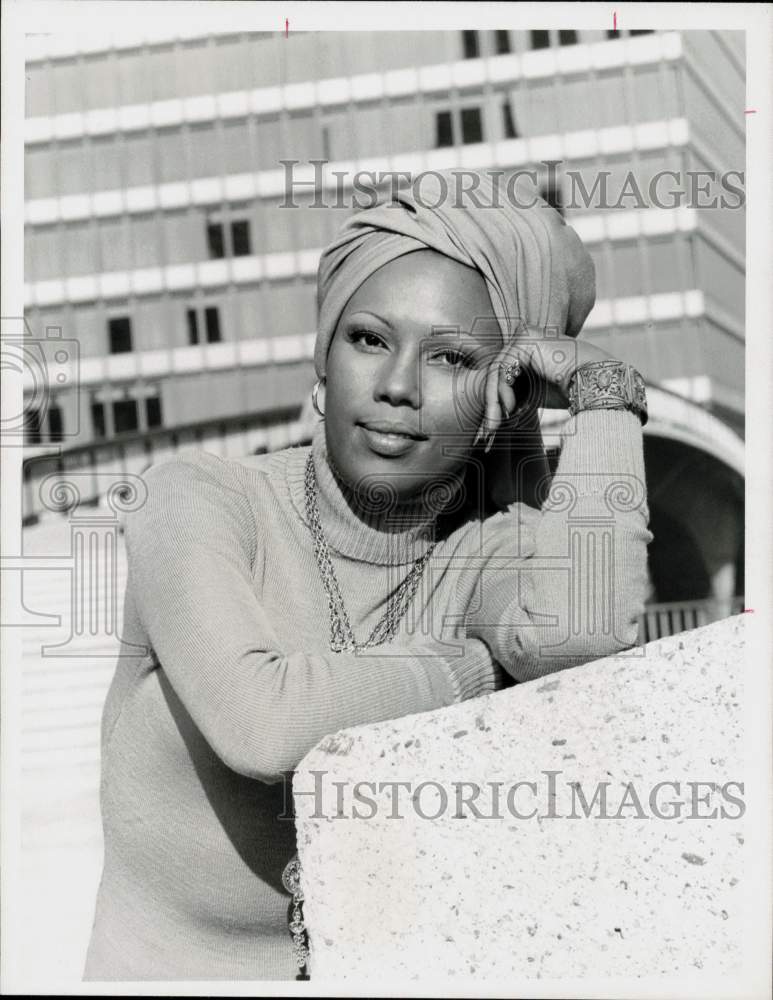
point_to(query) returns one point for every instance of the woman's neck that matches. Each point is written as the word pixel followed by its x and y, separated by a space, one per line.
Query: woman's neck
pixel 370 525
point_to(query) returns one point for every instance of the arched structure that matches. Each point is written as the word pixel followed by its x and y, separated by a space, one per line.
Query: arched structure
pixel 695 482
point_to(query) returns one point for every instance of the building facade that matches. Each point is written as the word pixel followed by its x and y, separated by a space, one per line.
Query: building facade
pixel 161 251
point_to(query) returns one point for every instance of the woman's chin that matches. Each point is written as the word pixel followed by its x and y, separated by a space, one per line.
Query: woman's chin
pixel 407 471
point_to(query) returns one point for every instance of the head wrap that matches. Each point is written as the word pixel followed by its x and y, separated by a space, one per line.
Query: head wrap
pixel 537 272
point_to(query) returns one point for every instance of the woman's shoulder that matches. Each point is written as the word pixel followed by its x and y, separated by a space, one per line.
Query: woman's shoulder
pixel 205 492
pixel 270 463
pixel 245 470
pixel 191 465
pixel 215 491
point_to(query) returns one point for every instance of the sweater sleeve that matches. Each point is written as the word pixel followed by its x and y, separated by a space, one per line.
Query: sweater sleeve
pixel 567 584
pixel 191 549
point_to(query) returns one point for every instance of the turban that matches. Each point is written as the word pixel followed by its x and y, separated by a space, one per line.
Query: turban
pixel 538 274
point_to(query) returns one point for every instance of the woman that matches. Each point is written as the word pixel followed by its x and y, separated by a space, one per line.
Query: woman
pixel 286 596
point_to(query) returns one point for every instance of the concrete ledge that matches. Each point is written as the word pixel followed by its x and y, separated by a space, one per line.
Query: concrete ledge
pixel 465 898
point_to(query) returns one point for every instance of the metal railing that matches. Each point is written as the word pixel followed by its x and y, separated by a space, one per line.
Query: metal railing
pixel 660 620
pixel 97 462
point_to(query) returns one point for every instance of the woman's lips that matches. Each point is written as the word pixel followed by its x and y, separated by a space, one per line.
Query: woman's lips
pixel 388 444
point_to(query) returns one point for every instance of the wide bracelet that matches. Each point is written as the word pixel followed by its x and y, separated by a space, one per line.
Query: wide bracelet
pixel 608 385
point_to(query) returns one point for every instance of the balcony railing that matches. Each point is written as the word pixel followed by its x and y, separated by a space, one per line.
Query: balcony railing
pixel 101 463
pixel 660 620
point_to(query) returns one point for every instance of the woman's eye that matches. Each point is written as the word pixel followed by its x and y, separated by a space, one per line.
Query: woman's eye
pixel 365 337
pixel 453 359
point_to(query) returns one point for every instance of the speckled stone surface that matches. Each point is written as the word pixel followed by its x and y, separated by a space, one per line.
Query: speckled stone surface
pixel 620 892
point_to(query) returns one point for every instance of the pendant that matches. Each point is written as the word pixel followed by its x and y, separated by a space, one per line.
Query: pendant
pixel 291 880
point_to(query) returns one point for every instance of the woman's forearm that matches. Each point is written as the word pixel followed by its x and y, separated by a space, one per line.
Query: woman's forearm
pixel 578 591
pixel 278 707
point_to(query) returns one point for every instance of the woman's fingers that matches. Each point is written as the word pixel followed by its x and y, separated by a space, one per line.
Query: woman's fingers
pixel 507 399
pixel 490 417
pixel 493 415
pixel 550 360
pixel 533 371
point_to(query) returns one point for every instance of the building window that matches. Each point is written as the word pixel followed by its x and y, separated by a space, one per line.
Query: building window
pixel 443 129
pixel 472 126
pixel 640 31
pixel 125 416
pixel 567 37
pixel 508 121
pixel 32 428
pixel 55 424
pixel 98 419
pixel 34 425
pixel 211 325
pixel 120 330
pixel 502 42
pixel 540 39
pixel 153 411
pixel 611 33
pixel 470 44
pixel 240 238
pixel 212 322
pixel 215 240
pixel 193 327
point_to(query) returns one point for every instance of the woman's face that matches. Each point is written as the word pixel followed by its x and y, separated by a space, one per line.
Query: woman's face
pixel 409 355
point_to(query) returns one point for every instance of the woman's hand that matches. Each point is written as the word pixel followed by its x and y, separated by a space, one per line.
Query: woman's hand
pixel 547 364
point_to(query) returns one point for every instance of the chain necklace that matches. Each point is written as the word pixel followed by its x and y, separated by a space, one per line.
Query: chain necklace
pixel 341 634
pixel 341 640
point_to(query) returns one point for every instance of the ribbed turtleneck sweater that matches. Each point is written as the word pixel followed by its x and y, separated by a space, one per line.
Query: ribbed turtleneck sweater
pixel 226 680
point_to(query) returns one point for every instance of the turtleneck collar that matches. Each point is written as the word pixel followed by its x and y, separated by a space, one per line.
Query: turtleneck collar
pixel 393 536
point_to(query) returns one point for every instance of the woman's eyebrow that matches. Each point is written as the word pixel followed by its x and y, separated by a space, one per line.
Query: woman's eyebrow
pixel 366 312
pixel 463 337
pixel 460 330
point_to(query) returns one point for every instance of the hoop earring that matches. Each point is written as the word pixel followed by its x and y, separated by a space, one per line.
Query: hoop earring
pixel 314 397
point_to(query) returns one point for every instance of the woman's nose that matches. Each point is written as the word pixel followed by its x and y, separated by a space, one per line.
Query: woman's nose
pixel 399 381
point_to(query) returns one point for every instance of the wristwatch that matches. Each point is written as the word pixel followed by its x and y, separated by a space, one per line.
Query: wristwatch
pixel 607 385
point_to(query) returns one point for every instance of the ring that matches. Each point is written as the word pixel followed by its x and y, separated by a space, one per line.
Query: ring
pixel 511 370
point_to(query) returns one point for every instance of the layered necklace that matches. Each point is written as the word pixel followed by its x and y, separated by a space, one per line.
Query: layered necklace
pixel 341 640
pixel 341 635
